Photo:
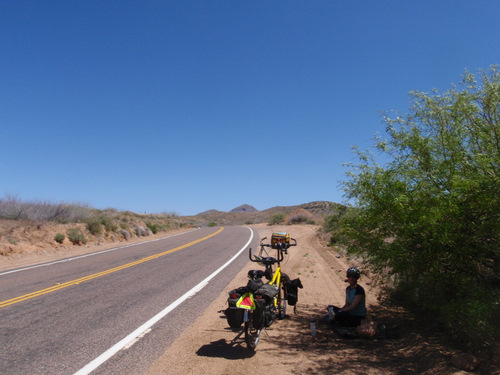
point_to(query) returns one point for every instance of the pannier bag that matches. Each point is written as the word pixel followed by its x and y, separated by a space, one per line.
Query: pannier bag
pixel 268 291
pixel 263 315
pixel 282 237
pixel 254 284
pixel 234 314
pixel 292 291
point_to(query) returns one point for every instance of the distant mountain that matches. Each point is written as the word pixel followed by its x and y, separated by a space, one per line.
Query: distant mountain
pixel 313 211
pixel 244 208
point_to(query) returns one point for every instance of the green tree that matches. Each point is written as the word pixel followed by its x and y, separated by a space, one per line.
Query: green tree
pixel 429 215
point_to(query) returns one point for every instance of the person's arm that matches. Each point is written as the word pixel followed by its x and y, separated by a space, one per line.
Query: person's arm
pixel 355 302
pixel 345 305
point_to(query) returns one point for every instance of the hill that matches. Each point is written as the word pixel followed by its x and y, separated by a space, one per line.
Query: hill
pixel 244 208
pixel 313 212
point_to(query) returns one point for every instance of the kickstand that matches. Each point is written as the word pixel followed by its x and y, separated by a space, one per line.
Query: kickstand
pixel 267 334
pixel 237 336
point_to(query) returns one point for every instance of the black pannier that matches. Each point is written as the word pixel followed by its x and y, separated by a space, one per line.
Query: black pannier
pixel 234 314
pixel 292 291
pixel 268 291
pixel 253 285
pixel 263 315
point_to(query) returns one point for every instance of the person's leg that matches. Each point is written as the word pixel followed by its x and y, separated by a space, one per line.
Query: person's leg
pixel 344 319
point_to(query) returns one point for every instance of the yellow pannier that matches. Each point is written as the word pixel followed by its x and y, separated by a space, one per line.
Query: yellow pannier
pixel 281 237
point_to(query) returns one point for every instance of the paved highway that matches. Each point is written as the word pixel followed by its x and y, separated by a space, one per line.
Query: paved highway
pixel 114 312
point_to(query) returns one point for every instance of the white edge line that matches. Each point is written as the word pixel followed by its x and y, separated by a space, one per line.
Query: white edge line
pixel 92 254
pixel 91 366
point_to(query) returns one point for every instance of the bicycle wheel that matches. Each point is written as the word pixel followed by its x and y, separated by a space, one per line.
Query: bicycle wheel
pixel 252 335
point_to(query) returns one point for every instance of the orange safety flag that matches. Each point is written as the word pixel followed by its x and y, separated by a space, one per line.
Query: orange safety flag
pixel 246 301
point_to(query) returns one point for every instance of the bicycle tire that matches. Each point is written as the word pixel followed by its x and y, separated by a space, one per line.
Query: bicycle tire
pixel 252 335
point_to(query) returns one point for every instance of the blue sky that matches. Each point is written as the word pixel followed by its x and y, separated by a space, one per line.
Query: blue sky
pixel 185 106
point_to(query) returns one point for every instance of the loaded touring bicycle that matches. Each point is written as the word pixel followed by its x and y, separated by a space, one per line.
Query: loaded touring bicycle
pixel 258 304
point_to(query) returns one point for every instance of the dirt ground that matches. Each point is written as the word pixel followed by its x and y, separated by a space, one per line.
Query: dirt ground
pixel 210 346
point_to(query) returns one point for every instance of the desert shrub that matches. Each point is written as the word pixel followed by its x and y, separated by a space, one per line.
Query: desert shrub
pixel 76 236
pixel 125 233
pixel 59 237
pixel 140 231
pixel 278 218
pixel 331 225
pixel 153 227
pixel 299 219
pixel 212 224
pixel 13 208
pixel 300 216
pixel 172 214
pixel 124 225
pixel 109 223
pixel 94 225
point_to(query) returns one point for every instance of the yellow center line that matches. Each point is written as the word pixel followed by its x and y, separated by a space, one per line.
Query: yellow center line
pixel 103 273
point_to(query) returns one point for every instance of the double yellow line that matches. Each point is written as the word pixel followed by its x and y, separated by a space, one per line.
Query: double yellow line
pixel 96 275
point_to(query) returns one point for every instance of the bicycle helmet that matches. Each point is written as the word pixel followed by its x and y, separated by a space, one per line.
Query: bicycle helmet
pixel 353 271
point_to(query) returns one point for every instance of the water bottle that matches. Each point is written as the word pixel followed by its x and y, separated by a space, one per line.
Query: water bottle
pixel 313 327
pixel 331 314
pixel 382 332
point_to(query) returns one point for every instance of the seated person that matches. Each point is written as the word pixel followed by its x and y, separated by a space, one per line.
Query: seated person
pixel 354 310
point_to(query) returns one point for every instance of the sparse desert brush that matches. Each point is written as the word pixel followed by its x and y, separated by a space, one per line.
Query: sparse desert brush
pixel 109 223
pixel 94 225
pixel 124 225
pixel 59 238
pixel 141 231
pixel 172 214
pixel 278 218
pixel 153 227
pixel 76 236
pixel 300 216
pixel 15 209
pixel 125 234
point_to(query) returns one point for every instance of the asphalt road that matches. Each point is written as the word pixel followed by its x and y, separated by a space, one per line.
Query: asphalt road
pixel 116 311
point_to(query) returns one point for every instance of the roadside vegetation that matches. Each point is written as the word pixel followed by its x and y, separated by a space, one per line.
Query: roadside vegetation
pixel 428 216
pixel 79 223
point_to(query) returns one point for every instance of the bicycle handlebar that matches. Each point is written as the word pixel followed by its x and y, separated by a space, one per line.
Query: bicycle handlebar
pixel 281 249
pixel 267 260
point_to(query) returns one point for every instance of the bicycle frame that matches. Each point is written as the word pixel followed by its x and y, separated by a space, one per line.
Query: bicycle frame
pixel 276 281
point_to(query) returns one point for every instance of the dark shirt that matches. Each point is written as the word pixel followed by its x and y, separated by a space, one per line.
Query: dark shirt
pixel 360 309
